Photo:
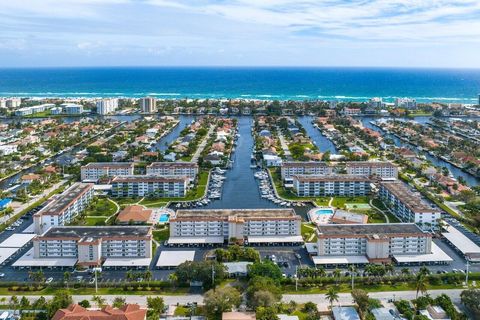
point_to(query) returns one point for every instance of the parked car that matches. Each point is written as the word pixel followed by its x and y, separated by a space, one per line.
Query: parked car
pixel 49 280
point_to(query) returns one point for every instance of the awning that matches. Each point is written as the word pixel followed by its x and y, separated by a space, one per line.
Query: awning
pixel 133 262
pixel 195 240
pixel 27 260
pixel 174 258
pixel 339 260
pixel 437 255
pixel 275 239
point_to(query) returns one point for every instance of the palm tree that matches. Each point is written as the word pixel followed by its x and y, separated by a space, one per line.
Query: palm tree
pixel 66 277
pixel 421 284
pixel 389 268
pixel 173 278
pixel 337 273
pixel 147 276
pixel 322 273
pixel 99 301
pixel 332 295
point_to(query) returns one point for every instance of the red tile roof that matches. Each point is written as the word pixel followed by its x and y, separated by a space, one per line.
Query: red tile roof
pixel 77 312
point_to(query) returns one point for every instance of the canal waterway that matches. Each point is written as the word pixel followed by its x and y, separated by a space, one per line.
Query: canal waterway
pixel 323 143
pixel 241 190
pixel 456 172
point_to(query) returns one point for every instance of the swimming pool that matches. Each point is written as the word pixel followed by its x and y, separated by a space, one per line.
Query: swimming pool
pixel 324 211
pixel 164 217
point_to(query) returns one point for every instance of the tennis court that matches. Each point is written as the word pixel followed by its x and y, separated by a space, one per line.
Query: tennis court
pixel 357 206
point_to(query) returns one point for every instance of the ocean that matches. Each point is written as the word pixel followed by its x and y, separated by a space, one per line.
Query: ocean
pixel 346 84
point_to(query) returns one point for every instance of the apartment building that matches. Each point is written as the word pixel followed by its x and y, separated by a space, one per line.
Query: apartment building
pixel 175 169
pixel 91 246
pixel 408 206
pixel 331 185
pixel 63 208
pixel 12 103
pixel 377 242
pixel 33 109
pixel 378 169
pixel 148 105
pixel 72 108
pixel 107 106
pixel 96 170
pixel 289 169
pixel 148 185
pixel 251 226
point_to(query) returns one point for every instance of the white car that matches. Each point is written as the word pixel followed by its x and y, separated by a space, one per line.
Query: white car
pixel 49 280
pixel 2 275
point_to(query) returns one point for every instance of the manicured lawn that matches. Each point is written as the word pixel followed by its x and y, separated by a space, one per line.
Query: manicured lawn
pixel 339 202
pixel 161 235
pixel 375 217
pixel 94 221
pixel 153 203
pixel 101 207
pixel 307 230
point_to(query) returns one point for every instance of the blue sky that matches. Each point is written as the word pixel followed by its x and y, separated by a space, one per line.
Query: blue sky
pixel 402 33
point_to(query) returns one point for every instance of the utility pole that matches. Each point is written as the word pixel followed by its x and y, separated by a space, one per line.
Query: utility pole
pixel 96 281
pixel 353 277
pixel 213 277
pixel 296 278
pixel 466 275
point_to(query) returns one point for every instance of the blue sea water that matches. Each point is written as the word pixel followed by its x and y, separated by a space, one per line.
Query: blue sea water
pixel 442 85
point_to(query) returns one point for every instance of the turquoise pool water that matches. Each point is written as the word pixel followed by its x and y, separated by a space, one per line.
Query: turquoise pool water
pixel 324 211
pixel 164 217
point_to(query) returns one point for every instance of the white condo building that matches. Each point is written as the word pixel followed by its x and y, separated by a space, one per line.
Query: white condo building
pixel 95 170
pixel 370 243
pixel 378 169
pixel 91 246
pixel 409 206
pixel 107 106
pixel 148 105
pixel 251 226
pixel 331 185
pixel 148 185
pixel 175 169
pixel 64 208
pixel 289 169
pixel 72 108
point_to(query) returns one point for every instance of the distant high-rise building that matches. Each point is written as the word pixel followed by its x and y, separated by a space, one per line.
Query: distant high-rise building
pixel 376 103
pixel 406 103
pixel 13 103
pixel 479 99
pixel 106 106
pixel 148 105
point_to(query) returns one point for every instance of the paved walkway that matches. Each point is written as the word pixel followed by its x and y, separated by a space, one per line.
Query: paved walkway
pixel 387 219
pixel 319 299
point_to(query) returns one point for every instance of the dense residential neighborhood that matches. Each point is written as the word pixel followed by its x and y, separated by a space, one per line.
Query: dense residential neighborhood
pixel 237 209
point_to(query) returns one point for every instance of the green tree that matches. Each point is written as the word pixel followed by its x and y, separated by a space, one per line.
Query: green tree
pixel 332 295
pixel 470 298
pixel 420 284
pixel 24 303
pixel 99 301
pixel 266 313
pixel 156 306
pixel 360 297
pixel 263 298
pixel 118 302
pixel 85 303
pixel 221 300
pixel 265 269
pixel 60 300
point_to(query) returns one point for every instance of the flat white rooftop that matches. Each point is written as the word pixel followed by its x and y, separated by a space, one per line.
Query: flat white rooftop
pixel 339 260
pixel 275 239
pixel 29 229
pixel 437 255
pixel 17 240
pixel 132 262
pixel 311 248
pixel 237 267
pixel 195 240
pixel 460 241
pixel 174 258
pixel 6 253
pixel 27 260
